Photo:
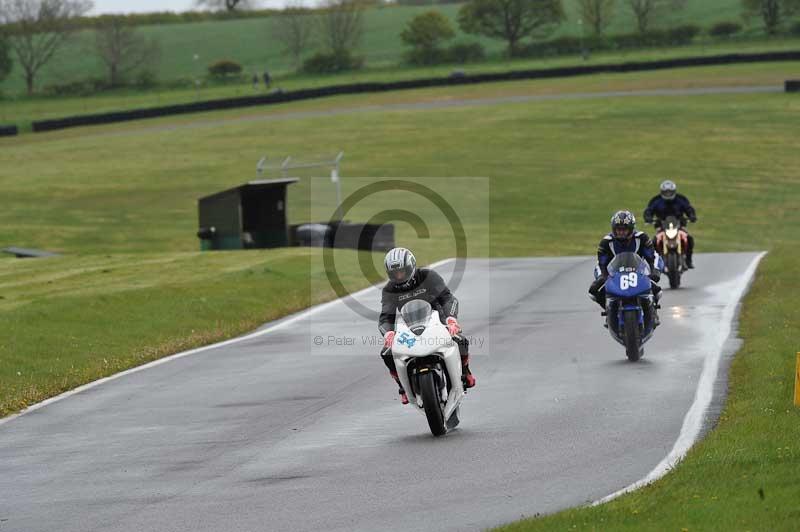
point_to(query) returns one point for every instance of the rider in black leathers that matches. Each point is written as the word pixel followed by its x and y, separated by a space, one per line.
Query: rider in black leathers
pixel 670 203
pixel 407 282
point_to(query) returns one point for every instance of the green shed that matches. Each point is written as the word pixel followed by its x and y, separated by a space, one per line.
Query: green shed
pixel 250 216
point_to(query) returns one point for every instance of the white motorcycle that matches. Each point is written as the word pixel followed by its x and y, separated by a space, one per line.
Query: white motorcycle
pixel 428 365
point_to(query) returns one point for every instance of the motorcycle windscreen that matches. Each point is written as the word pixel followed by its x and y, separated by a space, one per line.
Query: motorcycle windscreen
pixel 627 263
pixel 416 315
pixel 628 276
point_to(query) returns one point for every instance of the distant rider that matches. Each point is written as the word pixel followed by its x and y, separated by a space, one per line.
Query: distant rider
pixel 407 283
pixel 670 203
pixel 624 238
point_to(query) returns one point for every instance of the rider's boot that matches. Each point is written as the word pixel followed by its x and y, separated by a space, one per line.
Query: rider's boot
pixel 656 306
pixel 689 262
pixel 401 391
pixel 466 374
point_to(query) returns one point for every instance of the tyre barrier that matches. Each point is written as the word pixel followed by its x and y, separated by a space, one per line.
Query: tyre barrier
pixel 375 87
pixel 344 235
pixel 8 131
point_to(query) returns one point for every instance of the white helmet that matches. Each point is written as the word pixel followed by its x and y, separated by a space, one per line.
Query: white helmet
pixel 401 265
pixel 668 190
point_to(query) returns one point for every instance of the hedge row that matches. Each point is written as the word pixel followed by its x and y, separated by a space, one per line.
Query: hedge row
pixel 359 88
pixel 8 131
pixel 679 36
pixel 460 53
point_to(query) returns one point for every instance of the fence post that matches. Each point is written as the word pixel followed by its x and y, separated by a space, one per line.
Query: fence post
pixel 797 382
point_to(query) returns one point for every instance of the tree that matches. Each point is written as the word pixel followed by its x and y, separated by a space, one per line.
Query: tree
pixel 511 20
pixel 772 12
pixel 647 11
pixel 229 5
pixel 294 27
pixel 597 14
pixel 342 24
pixel 5 58
pixel 424 33
pixel 123 50
pixel 38 29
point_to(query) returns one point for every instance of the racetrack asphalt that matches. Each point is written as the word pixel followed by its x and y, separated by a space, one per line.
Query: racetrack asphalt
pixel 276 433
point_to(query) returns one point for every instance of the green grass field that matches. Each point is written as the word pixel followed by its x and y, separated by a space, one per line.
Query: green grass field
pixel 249 42
pixel 119 202
pixel 24 110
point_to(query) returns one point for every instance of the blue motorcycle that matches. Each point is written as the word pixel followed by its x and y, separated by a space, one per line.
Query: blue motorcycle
pixel 630 306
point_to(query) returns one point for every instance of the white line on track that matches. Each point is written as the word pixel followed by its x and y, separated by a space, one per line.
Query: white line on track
pixel 280 325
pixel 693 421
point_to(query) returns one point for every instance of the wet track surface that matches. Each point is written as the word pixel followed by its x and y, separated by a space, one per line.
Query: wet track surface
pixel 268 434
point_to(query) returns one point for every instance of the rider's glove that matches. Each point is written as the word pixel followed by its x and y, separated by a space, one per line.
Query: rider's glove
pixel 452 326
pixel 693 219
pixel 648 219
pixel 598 284
pixel 388 339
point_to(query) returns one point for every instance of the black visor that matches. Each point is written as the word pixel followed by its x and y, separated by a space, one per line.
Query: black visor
pixel 623 232
pixel 401 274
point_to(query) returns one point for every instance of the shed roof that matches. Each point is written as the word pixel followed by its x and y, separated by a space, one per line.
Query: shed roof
pixel 258 183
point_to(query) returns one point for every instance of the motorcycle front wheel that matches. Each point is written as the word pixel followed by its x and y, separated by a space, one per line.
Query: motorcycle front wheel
pixel 632 335
pixel 431 404
pixel 674 270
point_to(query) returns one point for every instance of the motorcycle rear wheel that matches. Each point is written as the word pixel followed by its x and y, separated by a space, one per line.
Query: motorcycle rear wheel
pixel 431 404
pixel 632 335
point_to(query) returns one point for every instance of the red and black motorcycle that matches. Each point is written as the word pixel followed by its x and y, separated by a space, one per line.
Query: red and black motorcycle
pixel 672 241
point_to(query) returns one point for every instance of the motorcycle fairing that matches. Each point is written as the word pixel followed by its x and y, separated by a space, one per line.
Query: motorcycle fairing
pixel 434 341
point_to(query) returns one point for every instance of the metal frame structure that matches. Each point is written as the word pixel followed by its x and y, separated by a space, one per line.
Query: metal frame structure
pixel 289 163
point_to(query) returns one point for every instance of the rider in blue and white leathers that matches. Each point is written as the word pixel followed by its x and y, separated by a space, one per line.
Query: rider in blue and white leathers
pixel 624 238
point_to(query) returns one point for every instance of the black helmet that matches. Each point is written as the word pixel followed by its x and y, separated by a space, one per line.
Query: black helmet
pixel 668 190
pixel 623 225
pixel 400 266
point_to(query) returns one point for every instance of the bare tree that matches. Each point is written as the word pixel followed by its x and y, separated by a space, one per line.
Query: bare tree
pixel 294 27
pixel 597 14
pixel 772 12
pixel 6 63
pixel 647 11
pixel 342 24
pixel 123 50
pixel 38 29
pixel 229 5
pixel 511 20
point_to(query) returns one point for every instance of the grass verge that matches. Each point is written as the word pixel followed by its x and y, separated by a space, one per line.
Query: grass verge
pixel 67 321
